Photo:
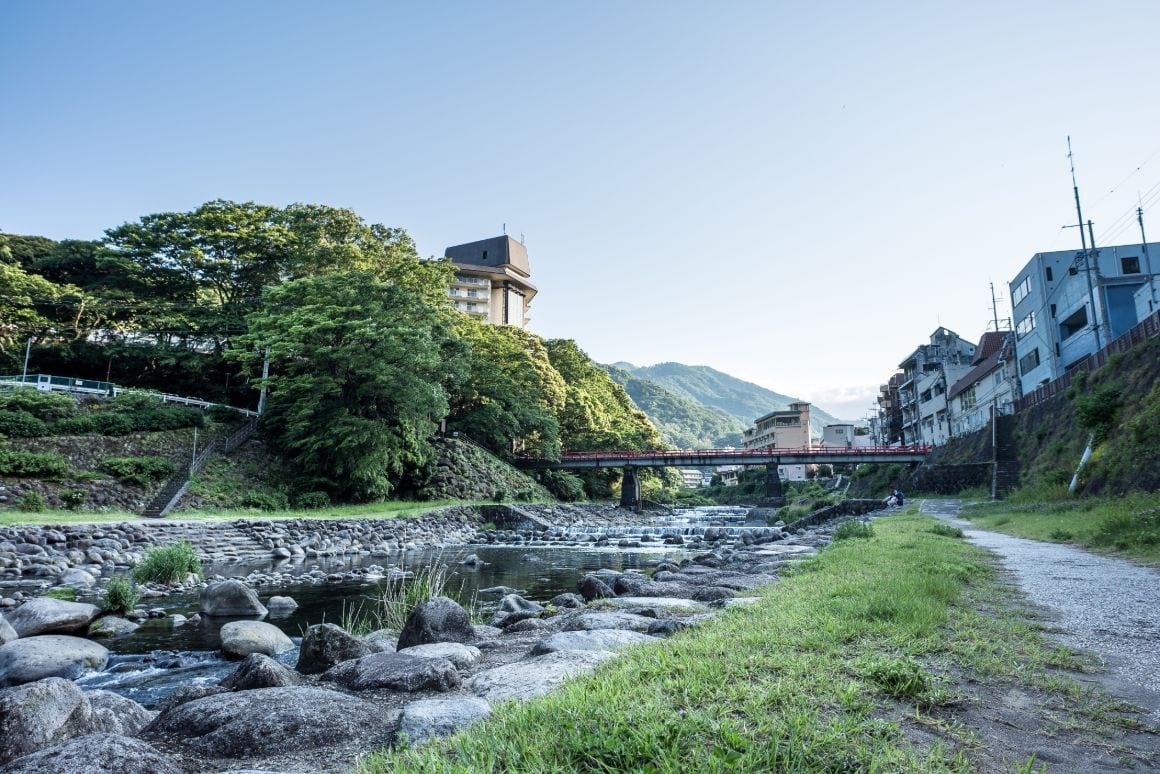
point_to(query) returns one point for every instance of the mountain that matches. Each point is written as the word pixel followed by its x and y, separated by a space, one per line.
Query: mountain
pixel 709 387
pixel 682 422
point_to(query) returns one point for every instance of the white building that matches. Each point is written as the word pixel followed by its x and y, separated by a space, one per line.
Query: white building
pixel 693 478
pixel 928 373
pixel 845 436
pixel 990 387
pixel 1058 321
pixel 788 429
pixel 729 474
pixel 492 280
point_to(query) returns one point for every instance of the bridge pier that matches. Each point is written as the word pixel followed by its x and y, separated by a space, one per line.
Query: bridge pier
pixel 774 494
pixel 630 488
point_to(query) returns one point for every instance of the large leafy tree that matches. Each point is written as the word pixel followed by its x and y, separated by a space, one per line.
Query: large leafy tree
pixel 357 382
pixel 512 395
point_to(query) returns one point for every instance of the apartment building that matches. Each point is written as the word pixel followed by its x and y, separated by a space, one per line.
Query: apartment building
pixel 927 374
pixel 788 429
pixel 845 436
pixel 492 280
pixel 1067 306
pixel 886 427
pixel 990 387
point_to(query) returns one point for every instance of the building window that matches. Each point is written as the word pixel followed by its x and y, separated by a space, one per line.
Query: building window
pixel 1074 323
pixel 1021 290
pixel 485 256
pixel 1053 311
pixel 1130 265
pixel 1026 325
pixel 967 398
pixel 1028 361
pixel 1047 273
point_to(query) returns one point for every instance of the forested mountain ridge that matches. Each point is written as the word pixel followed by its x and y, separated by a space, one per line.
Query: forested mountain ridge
pixel 681 421
pixel 714 389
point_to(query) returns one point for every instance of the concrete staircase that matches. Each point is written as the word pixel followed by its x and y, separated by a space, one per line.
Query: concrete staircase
pixel 174 489
pixel 1005 458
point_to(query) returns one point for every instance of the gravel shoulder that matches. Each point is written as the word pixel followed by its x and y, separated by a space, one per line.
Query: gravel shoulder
pixel 1103 606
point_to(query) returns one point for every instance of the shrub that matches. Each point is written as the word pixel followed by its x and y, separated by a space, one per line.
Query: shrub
pixel 73 499
pixel 265 501
pixel 165 418
pixel 499 496
pixel 312 500
pixel 1096 411
pixel 32 464
pixel 946 530
pixel 849 530
pixel 47 406
pixel 1060 534
pixel 31 502
pixel 112 424
pixel 21 424
pixel 223 415
pixel 120 596
pixel 138 471
pixel 168 564
pixel 563 485
pixel 67 593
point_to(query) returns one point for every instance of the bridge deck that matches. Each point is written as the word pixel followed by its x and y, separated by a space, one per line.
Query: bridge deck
pixel 681 458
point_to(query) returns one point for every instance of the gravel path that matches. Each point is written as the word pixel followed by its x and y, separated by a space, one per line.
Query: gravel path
pixel 1106 606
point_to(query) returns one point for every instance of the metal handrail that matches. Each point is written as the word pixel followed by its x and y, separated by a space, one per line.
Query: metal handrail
pixel 781 451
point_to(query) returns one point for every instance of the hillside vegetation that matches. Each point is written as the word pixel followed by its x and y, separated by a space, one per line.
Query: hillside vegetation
pixel 681 421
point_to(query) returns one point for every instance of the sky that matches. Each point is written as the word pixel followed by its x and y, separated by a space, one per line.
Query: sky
pixel 797 194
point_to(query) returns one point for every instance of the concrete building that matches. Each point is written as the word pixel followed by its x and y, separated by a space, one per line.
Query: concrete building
pixel 789 429
pixel 887 429
pixel 492 280
pixel 845 436
pixel 990 387
pixel 928 373
pixel 729 474
pixel 1057 320
pixel 693 478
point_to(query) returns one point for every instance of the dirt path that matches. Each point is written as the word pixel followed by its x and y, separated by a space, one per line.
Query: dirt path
pixel 1109 607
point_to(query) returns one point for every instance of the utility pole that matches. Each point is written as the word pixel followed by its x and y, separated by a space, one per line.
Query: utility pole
pixel 265 375
pixel 1093 322
pixel 1147 261
pixel 994 307
pixel 1095 258
pixel 27 354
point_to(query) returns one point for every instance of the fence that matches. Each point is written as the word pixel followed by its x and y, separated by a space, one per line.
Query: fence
pixel 1146 329
pixel 47 382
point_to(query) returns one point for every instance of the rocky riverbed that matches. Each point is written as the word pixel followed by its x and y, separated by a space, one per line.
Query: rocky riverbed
pixel 315 702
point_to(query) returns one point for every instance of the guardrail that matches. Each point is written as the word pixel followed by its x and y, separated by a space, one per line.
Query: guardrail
pixel 48 382
pixel 742 454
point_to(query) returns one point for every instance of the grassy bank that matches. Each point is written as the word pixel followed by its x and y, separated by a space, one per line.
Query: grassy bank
pixel 400 509
pixel 1128 525
pixel 829 672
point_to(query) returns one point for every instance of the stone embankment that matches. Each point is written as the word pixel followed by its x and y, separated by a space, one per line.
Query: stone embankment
pixel 346 695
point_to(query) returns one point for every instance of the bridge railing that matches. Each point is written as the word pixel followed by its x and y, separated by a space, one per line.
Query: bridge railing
pixel 742 454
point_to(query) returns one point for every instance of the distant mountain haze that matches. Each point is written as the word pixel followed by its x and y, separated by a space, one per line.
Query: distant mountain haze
pixel 712 389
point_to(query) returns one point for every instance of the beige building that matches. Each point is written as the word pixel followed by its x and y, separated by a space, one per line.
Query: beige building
pixel 789 429
pixel 492 280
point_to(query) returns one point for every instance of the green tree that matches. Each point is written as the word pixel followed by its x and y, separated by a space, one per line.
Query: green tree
pixel 28 302
pixel 358 384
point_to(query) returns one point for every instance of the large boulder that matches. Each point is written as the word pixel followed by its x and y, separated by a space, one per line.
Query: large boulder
pixel 241 638
pixel 591 588
pixel 40 714
pixel 597 639
pixel 52 655
pixel 429 718
pixel 114 714
pixel 260 671
pixel 396 671
pixel 462 656
pixel 567 601
pixel 325 645
pixel 110 626
pixel 231 598
pixel 536 676
pixel 271 721
pixel 7 633
pixel 588 621
pixel 439 619
pixel 514 603
pixel 77 578
pixel 281 603
pixel 97 754
pixel 187 693
pixel 45 615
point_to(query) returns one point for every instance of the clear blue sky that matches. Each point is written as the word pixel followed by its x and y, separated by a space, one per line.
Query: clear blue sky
pixel 795 193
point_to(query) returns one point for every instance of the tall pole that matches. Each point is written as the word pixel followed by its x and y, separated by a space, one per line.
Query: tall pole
pixel 27 353
pixel 1093 322
pixel 1095 258
pixel 994 307
pixel 265 375
pixel 1147 261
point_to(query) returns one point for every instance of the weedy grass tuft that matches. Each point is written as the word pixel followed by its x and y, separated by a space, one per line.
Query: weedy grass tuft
pixel 168 564
pixel 852 530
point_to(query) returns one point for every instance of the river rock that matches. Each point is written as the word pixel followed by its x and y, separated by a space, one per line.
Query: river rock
pixel 96 754
pixel 592 588
pixel 326 645
pixel 111 626
pixel 40 714
pixel 77 578
pixel 382 640
pixel 270 721
pixel 44 615
pixel 258 670
pixel 241 638
pixel 462 656
pixel 114 714
pixel 503 619
pixel 536 676
pixel 230 598
pixel 514 603
pixel 673 604
pixel 439 619
pixel 528 625
pixel 588 621
pixel 428 718
pixel 7 633
pixel 52 655
pixel 567 601
pixel 187 693
pixel 281 603
pixel 396 671
pixel 596 639
pixel 713 594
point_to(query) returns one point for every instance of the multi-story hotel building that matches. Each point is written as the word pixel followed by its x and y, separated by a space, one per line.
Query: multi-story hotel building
pixel 492 280
pixel 789 429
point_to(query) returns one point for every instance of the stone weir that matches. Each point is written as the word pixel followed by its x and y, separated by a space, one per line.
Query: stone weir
pixel 32 553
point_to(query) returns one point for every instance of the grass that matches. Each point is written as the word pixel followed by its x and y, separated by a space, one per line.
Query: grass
pixel 401 509
pixel 395 601
pixel 805 680
pixel 1128 525
pixel 852 530
pixel 120 596
pixel 66 593
pixel 168 564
